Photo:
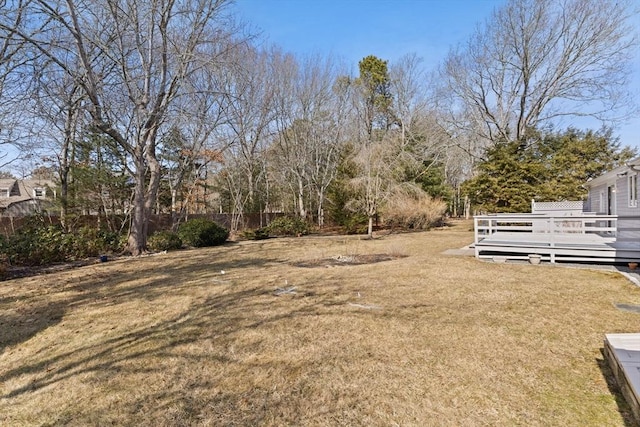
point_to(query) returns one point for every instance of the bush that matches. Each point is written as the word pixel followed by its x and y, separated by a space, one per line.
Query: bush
pixel 288 226
pixel 414 209
pixel 37 246
pixel 4 266
pixel 38 242
pixel 90 242
pixel 164 241
pixel 3 244
pixel 202 232
pixel 257 234
pixel 356 223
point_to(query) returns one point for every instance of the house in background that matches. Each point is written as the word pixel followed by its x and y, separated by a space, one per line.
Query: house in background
pixel 616 193
pixel 603 228
pixel 21 197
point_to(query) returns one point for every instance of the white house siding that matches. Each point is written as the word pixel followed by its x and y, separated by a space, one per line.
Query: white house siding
pixel 628 216
pixel 628 229
pixel 597 200
pixel 622 198
pixel 628 224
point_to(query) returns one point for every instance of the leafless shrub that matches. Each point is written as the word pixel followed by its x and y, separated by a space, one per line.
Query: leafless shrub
pixel 410 207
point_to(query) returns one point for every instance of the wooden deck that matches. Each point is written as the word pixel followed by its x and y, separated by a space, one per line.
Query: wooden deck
pixel 576 238
pixel 622 352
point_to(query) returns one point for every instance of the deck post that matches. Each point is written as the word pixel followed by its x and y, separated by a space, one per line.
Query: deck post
pixel 475 232
pixel 552 239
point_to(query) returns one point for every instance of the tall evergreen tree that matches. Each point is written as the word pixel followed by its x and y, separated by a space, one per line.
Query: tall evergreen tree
pixel 376 92
pixel 543 166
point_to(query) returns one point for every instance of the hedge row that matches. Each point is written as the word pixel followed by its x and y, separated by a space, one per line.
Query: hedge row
pixel 38 242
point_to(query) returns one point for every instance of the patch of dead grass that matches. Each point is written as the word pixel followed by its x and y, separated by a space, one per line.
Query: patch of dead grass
pixel 171 340
pixel 342 260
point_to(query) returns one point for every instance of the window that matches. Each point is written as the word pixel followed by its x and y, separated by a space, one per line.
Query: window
pixel 38 192
pixel 4 192
pixel 632 182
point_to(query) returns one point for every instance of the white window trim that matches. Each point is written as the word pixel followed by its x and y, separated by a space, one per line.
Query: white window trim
pixel 632 190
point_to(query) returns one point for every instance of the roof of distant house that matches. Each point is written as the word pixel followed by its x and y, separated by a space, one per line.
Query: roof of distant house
pixel 25 190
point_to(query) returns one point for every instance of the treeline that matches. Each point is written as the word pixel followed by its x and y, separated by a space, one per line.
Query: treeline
pixel 172 107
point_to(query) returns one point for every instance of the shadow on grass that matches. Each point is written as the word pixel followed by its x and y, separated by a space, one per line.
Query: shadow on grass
pixel 23 324
pixel 212 323
pixel 27 319
pixel 614 389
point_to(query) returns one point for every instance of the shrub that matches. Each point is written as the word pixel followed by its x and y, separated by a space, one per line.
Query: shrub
pixel 164 241
pixel 414 209
pixel 356 223
pixel 202 232
pixel 4 258
pixel 35 246
pixel 257 234
pixel 3 244
pixel 4 266
pixel 39 242
pixel 288 226
pixel 90 242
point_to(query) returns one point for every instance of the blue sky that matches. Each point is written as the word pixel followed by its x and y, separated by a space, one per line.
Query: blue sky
pixel 389 29
pixel 353 29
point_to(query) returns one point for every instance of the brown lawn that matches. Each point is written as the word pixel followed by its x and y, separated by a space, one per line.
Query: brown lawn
pixel 291 334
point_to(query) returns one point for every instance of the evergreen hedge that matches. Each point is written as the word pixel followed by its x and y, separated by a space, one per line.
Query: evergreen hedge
pixel 202 232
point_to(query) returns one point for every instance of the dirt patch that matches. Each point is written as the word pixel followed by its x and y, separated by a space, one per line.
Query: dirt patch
pixel 341 260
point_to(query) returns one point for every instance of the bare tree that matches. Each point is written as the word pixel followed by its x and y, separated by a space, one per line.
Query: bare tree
pixel 190 147
pixel 331 130
pixel 12 85
pixel 376 179
pixel 372 101
pixel 536 61
pixel 421 139
pixel 410 106
pixel 131 60
pixel 250 116
pixel 293 130
pixel 57 108
pixel 311 105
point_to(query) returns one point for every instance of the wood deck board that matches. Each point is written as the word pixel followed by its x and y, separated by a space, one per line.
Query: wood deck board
pixel 595 246
pixel 552 237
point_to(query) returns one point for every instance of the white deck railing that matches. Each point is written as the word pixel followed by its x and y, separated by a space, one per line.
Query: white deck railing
pixel 587 223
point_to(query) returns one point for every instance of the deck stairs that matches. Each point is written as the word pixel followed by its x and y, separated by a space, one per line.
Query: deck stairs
pixel 622 352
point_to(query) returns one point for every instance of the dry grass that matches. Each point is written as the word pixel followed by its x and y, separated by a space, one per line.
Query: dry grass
pixel 425 339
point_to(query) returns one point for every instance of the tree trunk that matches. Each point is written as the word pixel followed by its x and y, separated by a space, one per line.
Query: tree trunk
pixel 64 195
pixel 137 241
pixel 370 227
pixel 174 207
pixel 152 191
pixel 65 161
pixel 320 209
pixel 467 207
pixel 301 210
pixel 250 188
